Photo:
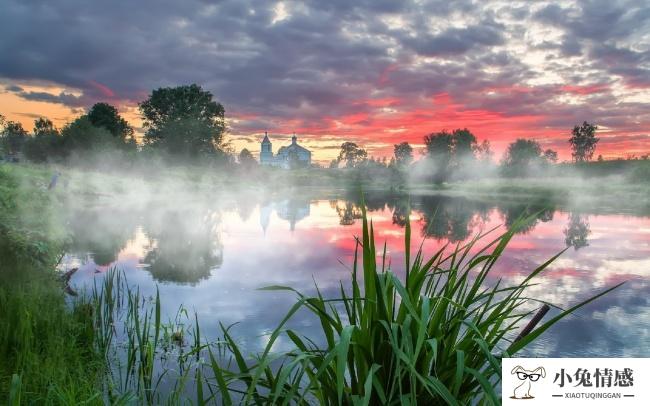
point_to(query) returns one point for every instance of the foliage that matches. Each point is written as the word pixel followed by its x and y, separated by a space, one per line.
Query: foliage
pixel 44 127
pixel 12 137
pixel 550 156
pixel 104 115
pixel 583 142
pixel 184 121
pixel 403 153
pixel 46 348
pixel 82 135
pixel 352 154
pixel 521 157
pixel 246 159
pixel 449 151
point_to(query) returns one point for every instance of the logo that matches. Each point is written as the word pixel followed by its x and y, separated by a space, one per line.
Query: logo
pixel 575 381
pixel 526 379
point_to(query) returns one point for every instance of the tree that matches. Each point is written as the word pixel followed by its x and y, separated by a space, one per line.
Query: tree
pixel 464 145
pixel 46 142
pixel 439 147
pixel 334 164
pixel 81 135
pixel 13 137
pixel 352 154
pixel 550 156
pixel 484 152
pixel 44 127
pixel 450 151
pixel 403 154
pixel 246 159
pixel 520 156
pixel 184 120
pixel 583 142
pixel 106 116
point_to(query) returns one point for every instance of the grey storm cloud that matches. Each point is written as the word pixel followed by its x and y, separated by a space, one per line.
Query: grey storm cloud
pixel 323 57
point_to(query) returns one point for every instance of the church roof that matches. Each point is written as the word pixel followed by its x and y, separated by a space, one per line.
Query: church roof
pixel 266 139
pixel 292 147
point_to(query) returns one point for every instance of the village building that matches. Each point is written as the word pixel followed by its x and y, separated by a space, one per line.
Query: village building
pixel 287 157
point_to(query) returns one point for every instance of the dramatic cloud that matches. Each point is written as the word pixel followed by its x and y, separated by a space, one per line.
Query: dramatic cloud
pixel 376 72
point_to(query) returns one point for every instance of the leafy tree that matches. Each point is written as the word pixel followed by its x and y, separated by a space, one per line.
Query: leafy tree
pixel 583 142
pixel 450 151
pixel 352 154
pixel 106 116
pixel 44 127
pixel 13 137
pixel 484 152
pixel 440 147
pixel 246 159
pixel 550 156
pixel 520 156
pixel 82 135
pixel 334 164
pixel 45 144
pixel 403 154
pixel 184 120
pixel 464 145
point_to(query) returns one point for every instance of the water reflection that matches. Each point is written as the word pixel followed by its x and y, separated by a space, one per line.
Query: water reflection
pixel 213 256
pixel 577 231
pixel 184 245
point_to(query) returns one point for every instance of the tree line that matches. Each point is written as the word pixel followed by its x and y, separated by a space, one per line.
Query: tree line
pixel 181 122
pixel 184 123
pixel 458 154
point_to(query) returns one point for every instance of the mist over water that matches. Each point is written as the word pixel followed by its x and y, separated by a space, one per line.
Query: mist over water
pixel 211 252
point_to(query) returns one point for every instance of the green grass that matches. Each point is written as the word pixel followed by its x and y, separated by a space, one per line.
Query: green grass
pixel 46 352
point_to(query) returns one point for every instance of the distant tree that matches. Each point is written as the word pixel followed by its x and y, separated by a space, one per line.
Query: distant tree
pixel 43 127
pixel 46 142
pixel 520 156
pixel 484 152
pixel 450 151
pixel 246 159
pixel 464 145
pixel 403 153
pixel 12 137
pixel 550 156
pixel 184 120
pixel 81 135
pixel 334 164
pixel 352 154
pixel 439 150
pixel 600 158
pixel 106 116
pixel 583 142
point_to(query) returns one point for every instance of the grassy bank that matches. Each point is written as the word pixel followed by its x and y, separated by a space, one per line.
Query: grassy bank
pixel 46 352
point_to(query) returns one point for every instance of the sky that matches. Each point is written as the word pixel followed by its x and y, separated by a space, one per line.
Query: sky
pixel 375 72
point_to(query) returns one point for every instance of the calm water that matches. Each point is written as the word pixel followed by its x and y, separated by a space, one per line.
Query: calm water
pixel 211 257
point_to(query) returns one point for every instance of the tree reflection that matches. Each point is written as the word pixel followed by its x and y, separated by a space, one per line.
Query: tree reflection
pixel 184 246
pixel 348 212
pixel 450 218
pixel 527 216
pixel 577 231
pixel 102 233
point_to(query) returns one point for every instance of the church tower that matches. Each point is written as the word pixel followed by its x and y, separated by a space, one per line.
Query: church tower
pixel 266 152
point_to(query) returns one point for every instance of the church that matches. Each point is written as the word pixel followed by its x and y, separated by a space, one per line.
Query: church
pixel 287 156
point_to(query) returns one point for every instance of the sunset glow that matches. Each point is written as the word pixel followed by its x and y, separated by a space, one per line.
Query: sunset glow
pixel 376 74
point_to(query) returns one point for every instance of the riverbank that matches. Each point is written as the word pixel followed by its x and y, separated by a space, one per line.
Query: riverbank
pixel 46 345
